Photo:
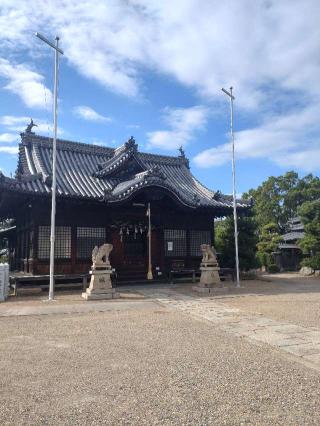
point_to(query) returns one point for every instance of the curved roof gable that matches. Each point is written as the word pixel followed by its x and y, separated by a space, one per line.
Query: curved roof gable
pixel 108 174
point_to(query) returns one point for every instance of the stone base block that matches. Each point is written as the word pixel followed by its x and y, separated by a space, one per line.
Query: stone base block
pixel 101 294
pixel 210 290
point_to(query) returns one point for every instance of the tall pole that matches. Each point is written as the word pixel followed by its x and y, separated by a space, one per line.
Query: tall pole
pixel 57 50
pixel 149 275
pixel 234 185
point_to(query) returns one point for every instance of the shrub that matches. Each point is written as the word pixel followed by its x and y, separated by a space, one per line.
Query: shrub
pixel 273 268
pixel 250 275
pixel 312 262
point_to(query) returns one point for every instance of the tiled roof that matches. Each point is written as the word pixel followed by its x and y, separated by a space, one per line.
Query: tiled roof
pixel 288 246
pixel 291 236
pixel 107 174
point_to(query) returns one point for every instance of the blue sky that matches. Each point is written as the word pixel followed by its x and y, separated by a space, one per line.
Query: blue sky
pixel 155 70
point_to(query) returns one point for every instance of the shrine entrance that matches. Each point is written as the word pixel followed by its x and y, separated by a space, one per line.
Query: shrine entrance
pixel 130 255
pixel 135 251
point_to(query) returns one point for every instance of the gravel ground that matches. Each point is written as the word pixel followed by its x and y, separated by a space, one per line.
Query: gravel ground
pixel 154 367
pixel 284 298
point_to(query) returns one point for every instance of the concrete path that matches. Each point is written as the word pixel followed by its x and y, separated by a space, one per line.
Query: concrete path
pixel 56 308
pixel 300 341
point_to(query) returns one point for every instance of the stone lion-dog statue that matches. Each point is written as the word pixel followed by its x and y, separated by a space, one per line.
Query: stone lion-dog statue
pixel 100 255
pixel 209 253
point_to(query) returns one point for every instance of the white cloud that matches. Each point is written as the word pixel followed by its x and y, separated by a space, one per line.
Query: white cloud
pixel 291 140
pixel 207 47
pixel 9 149
pixel 18 124
pixel 183 123
pixel 268 50
pixel 89 114
pixel 8 137
pixel 13 120
pixel 25 83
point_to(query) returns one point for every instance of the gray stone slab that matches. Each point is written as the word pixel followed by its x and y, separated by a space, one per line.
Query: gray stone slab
pixel 210 290
pixel 315 359
pixel 303 350
pixel 100 296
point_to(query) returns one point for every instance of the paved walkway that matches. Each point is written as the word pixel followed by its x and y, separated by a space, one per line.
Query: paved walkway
pixel 56 308
pixel 300 341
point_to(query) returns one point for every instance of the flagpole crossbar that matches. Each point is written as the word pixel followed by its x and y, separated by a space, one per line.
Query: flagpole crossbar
pixel 43 38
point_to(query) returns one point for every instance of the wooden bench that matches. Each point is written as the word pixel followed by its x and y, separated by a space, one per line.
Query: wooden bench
pixel 18 281
pixel 182 272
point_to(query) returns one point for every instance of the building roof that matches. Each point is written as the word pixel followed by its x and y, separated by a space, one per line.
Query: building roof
pixel 107 174
pixel 292 236
pixel 6 231
pixel 283 246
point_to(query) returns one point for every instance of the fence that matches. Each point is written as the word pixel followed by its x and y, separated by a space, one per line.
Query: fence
pixel 4 281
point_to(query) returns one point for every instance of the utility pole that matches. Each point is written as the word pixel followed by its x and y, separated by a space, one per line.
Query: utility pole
pixel 232 98
pixel 149 275
pixel 57 50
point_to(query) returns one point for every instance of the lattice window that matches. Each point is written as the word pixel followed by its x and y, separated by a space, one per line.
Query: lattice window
pixel 87 239
pixel 196 239
pixel 62 246
pixel 175 242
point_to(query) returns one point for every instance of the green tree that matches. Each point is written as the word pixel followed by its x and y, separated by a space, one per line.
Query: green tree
pixel 278 198
pixel 310 243
pixel 269 239
pixel 275 201
pixel 247 240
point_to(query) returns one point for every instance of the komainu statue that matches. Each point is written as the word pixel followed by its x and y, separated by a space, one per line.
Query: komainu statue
pixel 100 283
pixel 100 255
pixel 209 254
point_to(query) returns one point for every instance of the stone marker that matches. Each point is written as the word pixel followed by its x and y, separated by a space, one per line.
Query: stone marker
pixel 100 284
pixel 306 271
pixel 210 279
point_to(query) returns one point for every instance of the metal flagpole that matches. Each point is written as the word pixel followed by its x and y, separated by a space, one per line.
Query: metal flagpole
pixel 234 184
pixel 149 275
pixel 57 50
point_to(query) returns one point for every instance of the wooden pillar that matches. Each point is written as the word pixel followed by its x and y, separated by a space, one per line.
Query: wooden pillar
pixel 213 234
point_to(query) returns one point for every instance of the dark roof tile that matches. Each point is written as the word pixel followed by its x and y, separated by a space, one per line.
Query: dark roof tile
pixel 101 173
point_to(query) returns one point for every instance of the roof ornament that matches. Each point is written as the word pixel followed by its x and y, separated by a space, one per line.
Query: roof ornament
pixel 107 194
pixel 181 150
pixel 196 199
pixel 30 126
pixel 156 172
pixel 217 196
pixel 183 157
pixel 131 143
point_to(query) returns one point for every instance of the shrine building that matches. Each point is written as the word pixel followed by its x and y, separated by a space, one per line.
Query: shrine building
pixel 102 196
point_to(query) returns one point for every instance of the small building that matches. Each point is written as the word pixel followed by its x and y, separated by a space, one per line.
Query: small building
pixel 102 196
pixel 289 255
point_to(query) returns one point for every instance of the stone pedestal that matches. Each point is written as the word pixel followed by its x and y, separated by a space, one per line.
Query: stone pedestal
pixel 101 285
pixel 210 280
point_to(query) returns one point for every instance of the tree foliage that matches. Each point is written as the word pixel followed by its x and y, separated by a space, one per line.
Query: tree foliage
pixel 277 200
pixel 224 242
pixel 269 239
pixel 309 213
